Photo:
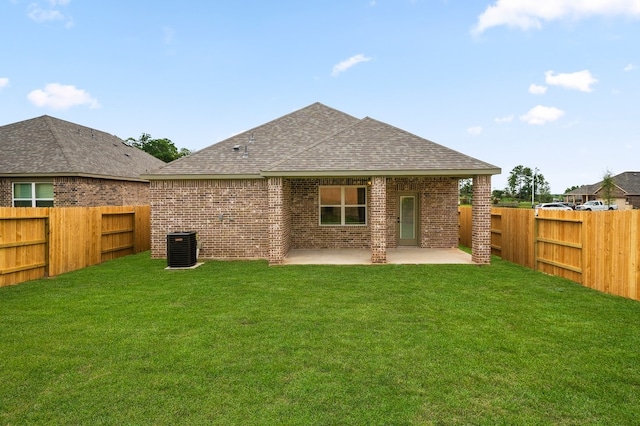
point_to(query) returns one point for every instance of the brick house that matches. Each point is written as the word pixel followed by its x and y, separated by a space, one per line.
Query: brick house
pixel 47 162
pixel 626 192
pixel 318 178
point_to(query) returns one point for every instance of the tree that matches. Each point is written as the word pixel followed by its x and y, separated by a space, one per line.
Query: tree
pixel 515 182
pixel 524 182
pixel 571 188
pixel 466 190
pixel 163 149
pixel 608 186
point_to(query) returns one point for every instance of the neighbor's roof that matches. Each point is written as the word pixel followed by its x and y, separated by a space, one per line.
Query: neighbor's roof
pixel 321 141
pixel 628 182
pixel 46 147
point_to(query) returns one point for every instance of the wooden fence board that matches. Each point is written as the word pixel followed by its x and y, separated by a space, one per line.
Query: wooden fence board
pixel 37 242
pixel 600 250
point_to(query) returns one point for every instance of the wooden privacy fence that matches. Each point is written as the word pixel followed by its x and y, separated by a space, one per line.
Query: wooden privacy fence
pixel 600 250
pixel 48 241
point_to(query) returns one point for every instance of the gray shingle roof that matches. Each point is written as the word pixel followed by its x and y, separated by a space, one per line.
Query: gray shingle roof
pixel 628 182
pixel 321 141
pixel 373 146
pixel 47 146
pixel 272 142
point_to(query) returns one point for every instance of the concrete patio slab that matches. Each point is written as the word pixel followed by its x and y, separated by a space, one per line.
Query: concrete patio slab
pixel 408 255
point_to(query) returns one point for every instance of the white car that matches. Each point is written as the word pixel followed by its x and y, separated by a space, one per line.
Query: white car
pixel 553 206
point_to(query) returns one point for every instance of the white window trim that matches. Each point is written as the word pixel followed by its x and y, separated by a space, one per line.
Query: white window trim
pixel 34 199
pixel 342 205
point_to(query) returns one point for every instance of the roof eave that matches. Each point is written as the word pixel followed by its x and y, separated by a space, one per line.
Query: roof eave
pixel 200 176
pixel 363 173
pixel 82 175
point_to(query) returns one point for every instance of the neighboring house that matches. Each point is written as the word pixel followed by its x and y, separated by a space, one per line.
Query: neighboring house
pixel 50 162
pixel 626 193
pixel 318 178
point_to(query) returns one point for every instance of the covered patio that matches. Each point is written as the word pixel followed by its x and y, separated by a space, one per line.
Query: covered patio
pixel 403 255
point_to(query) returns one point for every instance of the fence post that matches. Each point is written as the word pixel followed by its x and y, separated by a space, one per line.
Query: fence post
pixel 47 250
pixel 535 241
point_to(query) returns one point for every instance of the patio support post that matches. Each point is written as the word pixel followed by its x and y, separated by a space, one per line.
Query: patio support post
pixel 378 218
pixel 276 221
pixel 481 220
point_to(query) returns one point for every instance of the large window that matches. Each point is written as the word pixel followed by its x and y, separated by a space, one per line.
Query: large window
pixel 32 194
pixel 343 205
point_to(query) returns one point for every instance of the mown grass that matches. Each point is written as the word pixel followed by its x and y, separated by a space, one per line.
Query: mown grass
pixel 128 342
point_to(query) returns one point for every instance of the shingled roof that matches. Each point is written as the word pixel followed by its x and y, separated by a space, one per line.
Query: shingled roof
pixel 46 146
pixel 320 141
pixel 628 182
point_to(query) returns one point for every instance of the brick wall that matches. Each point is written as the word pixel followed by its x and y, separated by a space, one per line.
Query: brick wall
pixel 439 213
pixel 91 192
pixel 231 217
pixel 378 219
pixel 87 192
pixel 235 219
pixel 5 193
pixel 306 232
pixel 279 219
pixel 438 198
pixel 481 220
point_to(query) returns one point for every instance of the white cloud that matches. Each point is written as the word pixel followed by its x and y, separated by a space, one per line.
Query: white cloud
pixel 501 120
pixel 630 67
pixel 474 131
pixel 537 90
pixel 530 14
pixel 58 96
pixel 348 63
pixel 49 13
pixel 4 82
pixel 581 80
pixel 541 114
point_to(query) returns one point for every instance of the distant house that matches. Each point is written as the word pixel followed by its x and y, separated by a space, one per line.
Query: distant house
pixel 318 178
pixel 626 193
pixel 50 162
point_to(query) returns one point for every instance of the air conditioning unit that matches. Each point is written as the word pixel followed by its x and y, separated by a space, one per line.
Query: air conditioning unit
pixel 181 249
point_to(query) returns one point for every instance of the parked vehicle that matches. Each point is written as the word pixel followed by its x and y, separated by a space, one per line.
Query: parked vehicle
pixel 553 206
pixel 572 205
pixel 596 205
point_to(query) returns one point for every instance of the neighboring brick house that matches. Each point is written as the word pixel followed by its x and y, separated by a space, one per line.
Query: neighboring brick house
pixel 626 193
pixel 318 178
pixel 50 162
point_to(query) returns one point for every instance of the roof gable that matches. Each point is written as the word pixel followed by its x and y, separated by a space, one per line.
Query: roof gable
pixel 263 145
pixel 319 140
pixel 374 146
pixel 49 146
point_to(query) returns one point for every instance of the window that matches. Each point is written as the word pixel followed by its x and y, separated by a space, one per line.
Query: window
pixel 343 205
pixel 32 194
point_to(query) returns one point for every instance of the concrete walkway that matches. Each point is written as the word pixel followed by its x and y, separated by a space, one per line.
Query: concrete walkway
pixel 408 255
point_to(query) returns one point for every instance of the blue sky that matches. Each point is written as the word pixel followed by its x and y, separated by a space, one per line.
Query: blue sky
pixel 548 84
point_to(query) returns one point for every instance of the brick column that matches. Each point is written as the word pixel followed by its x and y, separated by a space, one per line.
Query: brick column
pixel 377 217
pixel 481 220
pixel 276 221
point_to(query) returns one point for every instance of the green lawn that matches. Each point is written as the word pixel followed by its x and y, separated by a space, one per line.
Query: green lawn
pixel 242 343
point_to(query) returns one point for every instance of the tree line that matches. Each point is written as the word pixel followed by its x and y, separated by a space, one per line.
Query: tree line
pixel 527 184
pixel 523 184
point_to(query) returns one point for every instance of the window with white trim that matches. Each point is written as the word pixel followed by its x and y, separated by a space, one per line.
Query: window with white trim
pixel 32 194
pixel 343 205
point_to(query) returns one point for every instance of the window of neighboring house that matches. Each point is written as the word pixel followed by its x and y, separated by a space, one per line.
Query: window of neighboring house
pixel 32 194
pixel 343 205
